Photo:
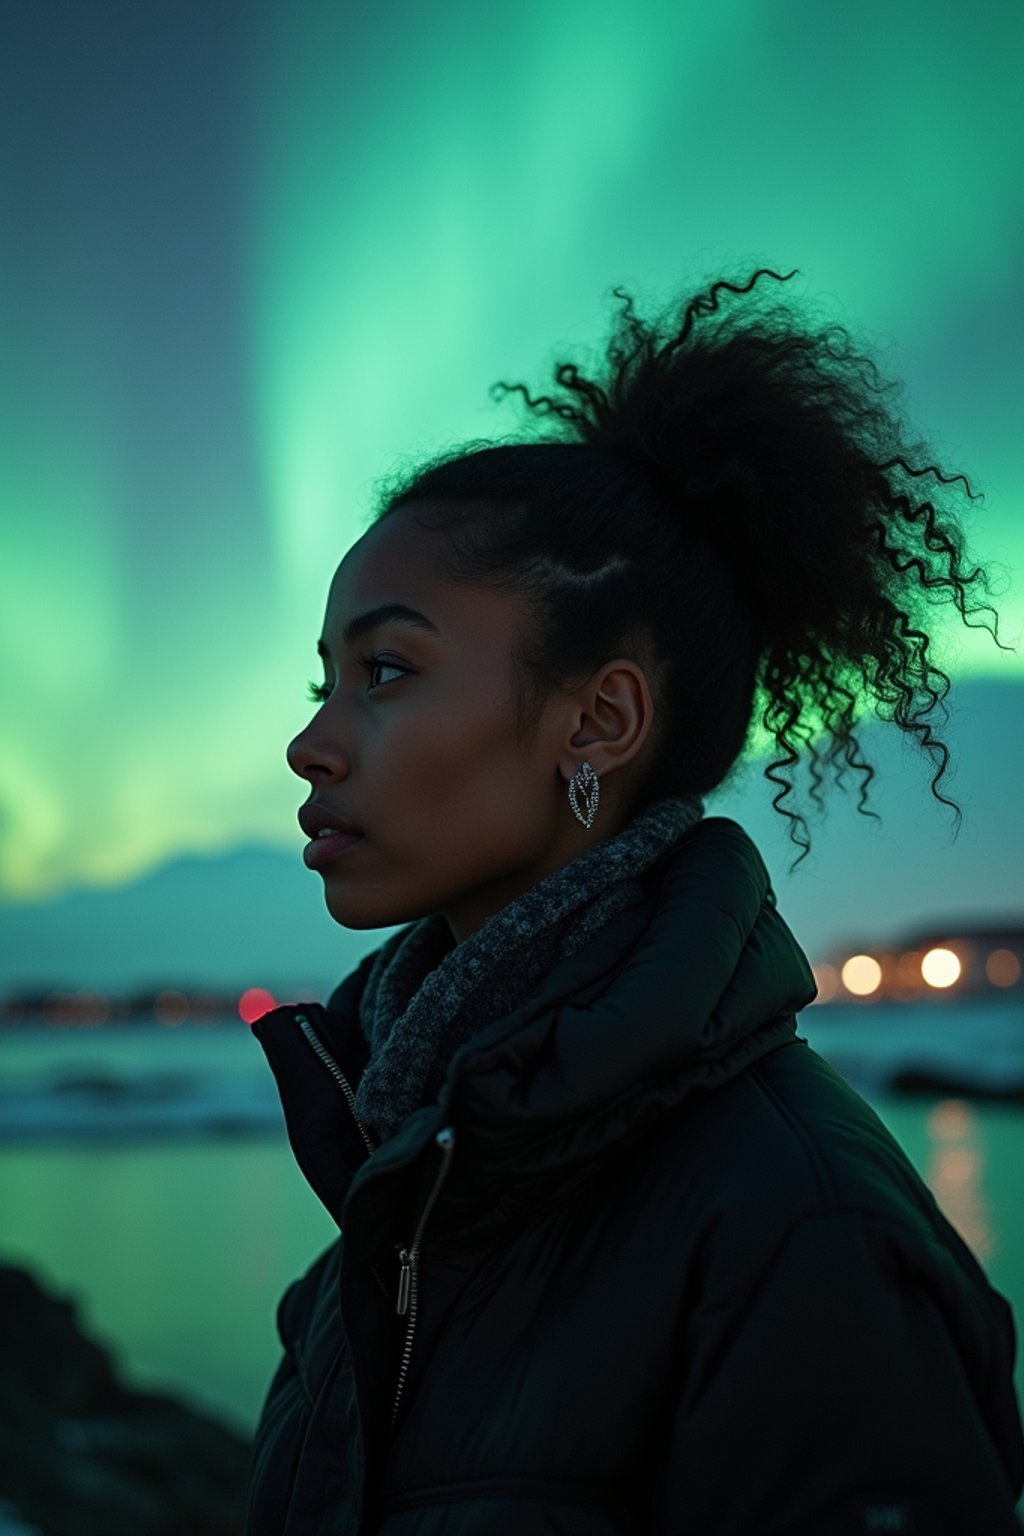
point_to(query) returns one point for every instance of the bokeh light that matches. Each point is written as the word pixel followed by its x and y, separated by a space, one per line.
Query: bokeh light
pixel 941 968
pixel 861 975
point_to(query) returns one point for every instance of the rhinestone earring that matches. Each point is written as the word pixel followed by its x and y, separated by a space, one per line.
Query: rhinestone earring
pixel 585 782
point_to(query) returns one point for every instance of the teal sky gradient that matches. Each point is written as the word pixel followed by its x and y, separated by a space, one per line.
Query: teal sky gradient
pixel 257 256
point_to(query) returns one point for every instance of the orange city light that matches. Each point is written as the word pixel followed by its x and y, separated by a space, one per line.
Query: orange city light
pixel 861 975
pixel 941 968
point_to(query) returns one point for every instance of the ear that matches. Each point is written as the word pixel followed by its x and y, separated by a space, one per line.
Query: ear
pixel 612 714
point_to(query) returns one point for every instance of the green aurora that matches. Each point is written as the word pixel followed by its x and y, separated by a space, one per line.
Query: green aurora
pixel 258 256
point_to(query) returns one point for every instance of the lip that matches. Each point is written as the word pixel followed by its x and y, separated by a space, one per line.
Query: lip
pixel 314 818
pixel 320 851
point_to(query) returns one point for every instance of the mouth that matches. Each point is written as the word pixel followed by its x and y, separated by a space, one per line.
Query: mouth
pixel 328 846
pixel 314 818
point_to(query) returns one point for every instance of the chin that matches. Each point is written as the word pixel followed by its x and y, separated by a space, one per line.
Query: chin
pixel 352 908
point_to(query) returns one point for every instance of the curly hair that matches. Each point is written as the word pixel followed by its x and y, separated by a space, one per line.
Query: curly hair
pixel 733 507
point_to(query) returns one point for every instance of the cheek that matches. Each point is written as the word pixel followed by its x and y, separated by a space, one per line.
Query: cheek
pixel 463 747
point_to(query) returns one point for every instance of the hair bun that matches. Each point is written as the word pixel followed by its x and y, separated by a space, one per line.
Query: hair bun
pixel 805 569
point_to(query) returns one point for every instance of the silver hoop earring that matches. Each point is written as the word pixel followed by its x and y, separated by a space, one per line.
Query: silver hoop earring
pixel 585 782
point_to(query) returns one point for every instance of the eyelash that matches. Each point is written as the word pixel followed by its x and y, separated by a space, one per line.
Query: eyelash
pixel 318 692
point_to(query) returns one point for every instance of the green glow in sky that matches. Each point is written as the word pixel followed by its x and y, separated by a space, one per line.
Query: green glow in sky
pixel 244 282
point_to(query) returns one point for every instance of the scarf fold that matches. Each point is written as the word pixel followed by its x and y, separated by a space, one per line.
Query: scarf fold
pixel 425 996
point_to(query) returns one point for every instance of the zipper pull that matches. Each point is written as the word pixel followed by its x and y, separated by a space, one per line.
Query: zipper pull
pixel 403 1281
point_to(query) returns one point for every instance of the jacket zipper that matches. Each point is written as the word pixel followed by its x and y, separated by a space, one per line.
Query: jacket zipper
pixel 329 1061
pixel 317 1044
pixel 407 1285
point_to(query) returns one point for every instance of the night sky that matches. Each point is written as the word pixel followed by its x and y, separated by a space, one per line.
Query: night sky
pixel 254 257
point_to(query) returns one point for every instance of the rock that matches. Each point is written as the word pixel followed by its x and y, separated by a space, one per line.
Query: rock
pixel 81 1454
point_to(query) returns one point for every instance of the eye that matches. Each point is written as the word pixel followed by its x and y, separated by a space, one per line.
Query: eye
pixel 318 692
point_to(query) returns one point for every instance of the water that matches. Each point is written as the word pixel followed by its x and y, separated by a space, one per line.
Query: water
pixel 177 1249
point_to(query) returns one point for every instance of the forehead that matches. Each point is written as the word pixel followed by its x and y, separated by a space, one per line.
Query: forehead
pixel 398 561
pixel 396 552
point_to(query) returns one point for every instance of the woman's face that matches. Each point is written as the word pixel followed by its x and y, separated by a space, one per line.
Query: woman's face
pixel 420 752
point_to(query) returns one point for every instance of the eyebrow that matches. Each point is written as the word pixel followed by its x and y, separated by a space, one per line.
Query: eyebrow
pixel 386 613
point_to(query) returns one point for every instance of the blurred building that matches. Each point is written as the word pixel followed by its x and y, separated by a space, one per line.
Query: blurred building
pixel 953 963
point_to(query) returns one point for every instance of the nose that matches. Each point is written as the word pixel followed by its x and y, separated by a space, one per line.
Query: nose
pixel 310 753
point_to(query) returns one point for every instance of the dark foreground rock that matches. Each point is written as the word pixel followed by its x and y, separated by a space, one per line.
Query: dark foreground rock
pixel 83 1455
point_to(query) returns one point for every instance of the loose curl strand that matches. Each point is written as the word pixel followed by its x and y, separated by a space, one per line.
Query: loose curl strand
pixel 733 505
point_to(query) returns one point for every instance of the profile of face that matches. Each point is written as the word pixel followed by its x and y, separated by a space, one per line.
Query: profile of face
pixel 414 743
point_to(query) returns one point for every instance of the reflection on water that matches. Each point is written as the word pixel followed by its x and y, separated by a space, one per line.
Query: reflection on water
pixel 955 1174
pixel 177 1248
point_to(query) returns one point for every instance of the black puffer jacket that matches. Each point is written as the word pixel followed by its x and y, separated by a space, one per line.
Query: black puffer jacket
pixel 649 1267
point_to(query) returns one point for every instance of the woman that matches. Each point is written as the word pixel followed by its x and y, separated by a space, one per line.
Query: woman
pixel 618 1252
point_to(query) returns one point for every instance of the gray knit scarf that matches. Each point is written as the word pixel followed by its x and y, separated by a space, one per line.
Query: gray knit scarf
pixel 425 995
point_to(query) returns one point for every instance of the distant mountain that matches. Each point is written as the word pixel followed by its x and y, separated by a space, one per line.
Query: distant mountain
pixel 256 916
pixel 252 917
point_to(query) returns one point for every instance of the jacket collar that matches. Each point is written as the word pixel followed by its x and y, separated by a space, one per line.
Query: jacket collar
pixel 669 1000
